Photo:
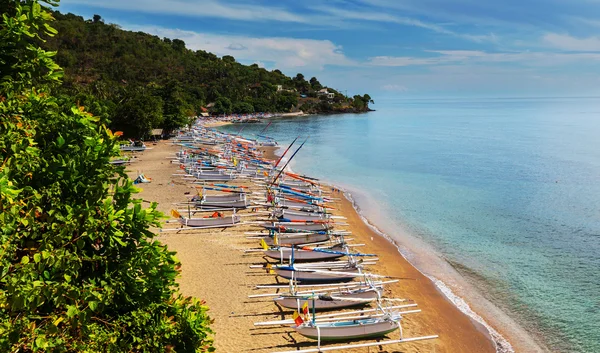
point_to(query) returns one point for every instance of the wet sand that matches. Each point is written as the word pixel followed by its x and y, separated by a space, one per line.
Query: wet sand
pixel 215 268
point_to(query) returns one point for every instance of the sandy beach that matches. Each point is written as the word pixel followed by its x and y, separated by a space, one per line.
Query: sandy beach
pixel 216 269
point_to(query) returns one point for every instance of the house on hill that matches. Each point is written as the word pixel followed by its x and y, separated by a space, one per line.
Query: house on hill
pixel 204 112
pixel 325 92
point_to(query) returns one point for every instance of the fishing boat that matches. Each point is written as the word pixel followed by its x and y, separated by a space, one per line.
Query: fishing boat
pixel 318 275
pixel 300 226
pixel 291 215
pixel 133 146
pixel 210 202
pixel 333 300
pixel 215 221
pixel 356 329
pixel 297 238
pixel 284 253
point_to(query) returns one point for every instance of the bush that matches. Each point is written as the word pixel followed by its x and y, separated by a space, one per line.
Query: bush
pixel 80 271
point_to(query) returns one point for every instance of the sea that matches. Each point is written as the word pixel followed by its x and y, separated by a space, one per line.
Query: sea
pixel 495 199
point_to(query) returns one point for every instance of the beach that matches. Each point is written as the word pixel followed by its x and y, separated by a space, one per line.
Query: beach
pixel 216 269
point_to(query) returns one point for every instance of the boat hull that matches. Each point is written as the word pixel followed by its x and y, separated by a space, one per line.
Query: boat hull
pixel 319 277
pixel 348 330
pixel 283 254
pixel 296 302
pixel 291 239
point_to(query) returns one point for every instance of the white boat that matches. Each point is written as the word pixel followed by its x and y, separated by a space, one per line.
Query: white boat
pixel 209 222
pixel 314 275
pixel 136 146
pixel 296 239
pixel 334 300
pixel 283 253
pixel 370 327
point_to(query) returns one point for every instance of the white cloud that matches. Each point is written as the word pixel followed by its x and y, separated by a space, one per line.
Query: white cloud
pixel 343 14
pixel 471 57
pixel 205 8
pixel 567 42
pixel 284 53
pixel 322 16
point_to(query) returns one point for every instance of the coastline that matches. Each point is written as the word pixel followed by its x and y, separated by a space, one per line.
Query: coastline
pixel 502 330
pixel 214 268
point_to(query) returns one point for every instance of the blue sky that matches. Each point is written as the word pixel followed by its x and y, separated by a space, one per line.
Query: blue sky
pixel 389 47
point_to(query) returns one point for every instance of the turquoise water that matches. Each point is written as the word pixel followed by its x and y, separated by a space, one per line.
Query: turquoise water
pixel 505 190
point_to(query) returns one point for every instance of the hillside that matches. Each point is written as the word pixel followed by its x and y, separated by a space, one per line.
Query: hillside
pixel 140 81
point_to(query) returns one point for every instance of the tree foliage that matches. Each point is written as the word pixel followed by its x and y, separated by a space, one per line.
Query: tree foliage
pixel 80 271
pixel 113 65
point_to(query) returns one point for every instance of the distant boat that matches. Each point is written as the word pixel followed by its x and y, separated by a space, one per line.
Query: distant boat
pixel 134 146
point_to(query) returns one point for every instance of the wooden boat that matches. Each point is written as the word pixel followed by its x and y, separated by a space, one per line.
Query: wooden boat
pixel 209 222
pixel 334 300
pixel 318 275
pixel 213 177
pixel 283 253
pixel 292 215
pixel 135 146
pixel 296 239
pixel 300 226
pixel 209 202
pixel 370 327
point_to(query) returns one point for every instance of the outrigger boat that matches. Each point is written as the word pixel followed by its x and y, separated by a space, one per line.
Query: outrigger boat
pixel 299 226
pixel 134 146
pixel 210 202
pixel 215 221
pixel 349 326
pixel 326 272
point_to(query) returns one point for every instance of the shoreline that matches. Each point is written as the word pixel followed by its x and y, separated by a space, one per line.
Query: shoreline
pixel 218 122
pixel 213 259
pixel 503 331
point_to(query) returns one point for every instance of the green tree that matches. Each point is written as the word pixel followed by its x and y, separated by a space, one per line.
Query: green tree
pixel 285 101
pixel 315 84
pixel 138 113
pixel 80 270
pixel 223 106
pixel 243 108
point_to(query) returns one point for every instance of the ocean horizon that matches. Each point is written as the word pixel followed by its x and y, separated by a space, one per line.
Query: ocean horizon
pixel 496 198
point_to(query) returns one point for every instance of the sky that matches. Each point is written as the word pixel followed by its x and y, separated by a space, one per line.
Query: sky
pixel 388 48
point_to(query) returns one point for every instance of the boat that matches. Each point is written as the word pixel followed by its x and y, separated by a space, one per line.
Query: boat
pixel 300 226
pixel 297 238
pixel 317 275
pixel 215 202
pixel 215 221
pixel 134 146
pixel 284 253
pixel 334 300
pixel 356 329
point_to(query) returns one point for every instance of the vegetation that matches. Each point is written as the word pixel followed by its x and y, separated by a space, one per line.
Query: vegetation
pixel 141 81
pixel 79 269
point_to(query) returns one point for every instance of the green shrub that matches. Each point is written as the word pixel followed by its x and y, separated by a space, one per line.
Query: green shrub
pixel 80 271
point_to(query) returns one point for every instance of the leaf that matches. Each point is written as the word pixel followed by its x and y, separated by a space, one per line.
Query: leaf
pixel 67 278
pixel 93 305
pixel 72 311
pixel 58 321
pixel 60 141
pixel 37 257
pixel 25 260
